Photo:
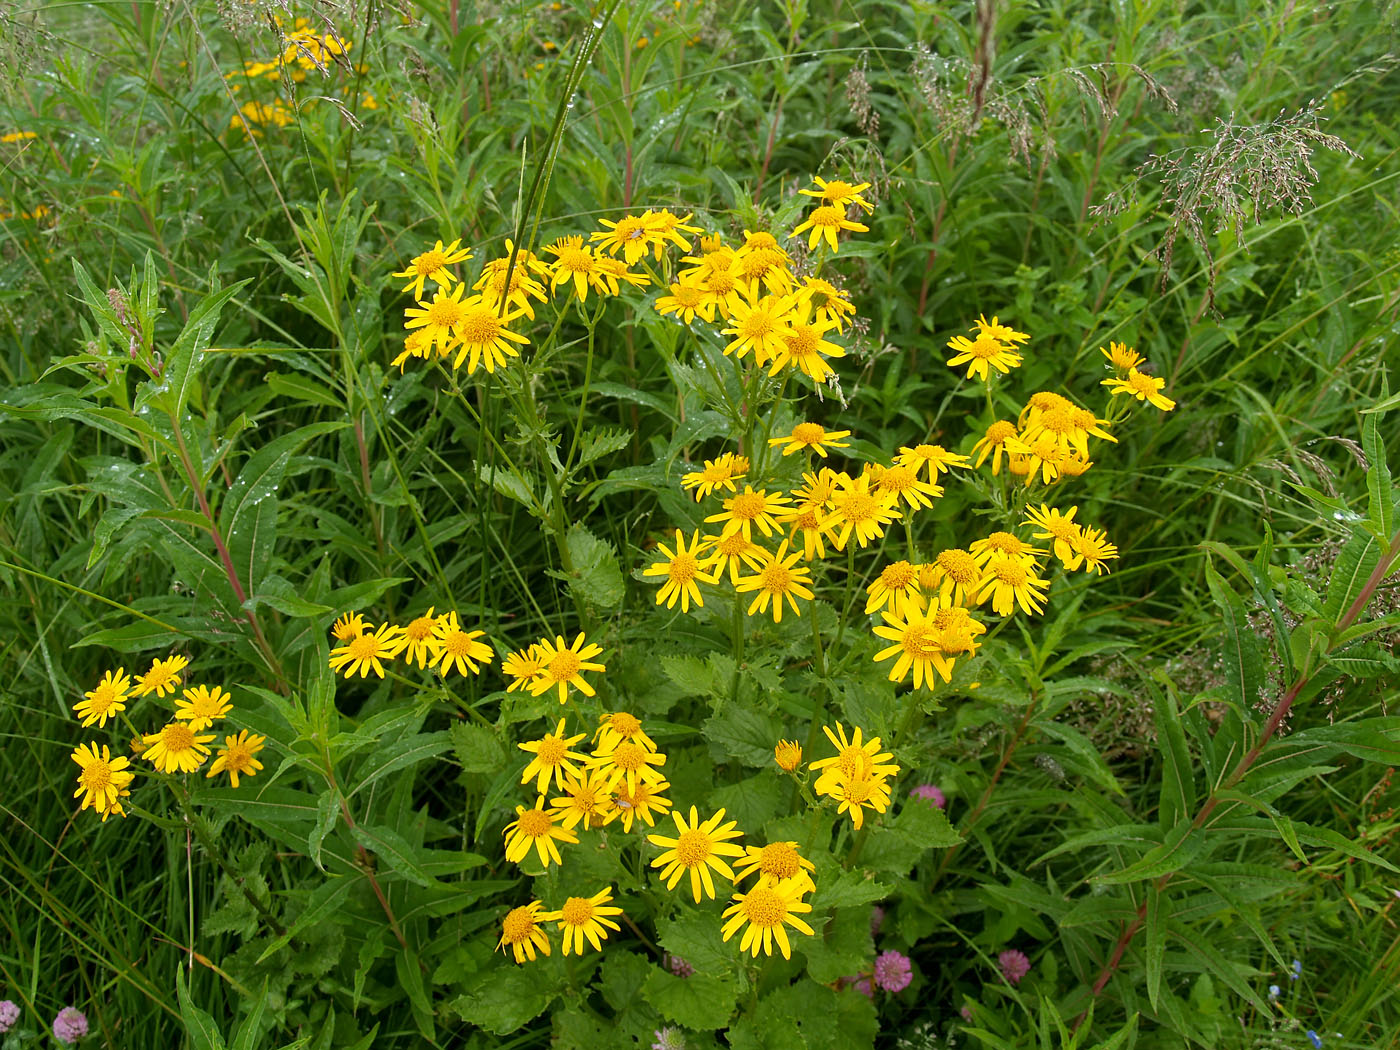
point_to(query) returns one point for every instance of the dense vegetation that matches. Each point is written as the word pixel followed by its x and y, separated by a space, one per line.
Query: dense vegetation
pixel 1132 787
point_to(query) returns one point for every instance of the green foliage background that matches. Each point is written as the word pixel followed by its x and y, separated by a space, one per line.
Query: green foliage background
pixel 1250 519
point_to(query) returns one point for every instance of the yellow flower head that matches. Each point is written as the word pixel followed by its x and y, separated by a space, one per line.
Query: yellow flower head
pixel 201 706
pixel 627 762
pixel 855 508
pixel 523 284
pixel 826 222
pixel 828 302
pixel 1143 387
pixel 935 457
pixel 632 235
pixel 1009 582
pixel 535 827
pixel 587 798
pixel 1093 547
pixel 1058 526
pixel 176 748
pixel 1121 356
pixel 896 589
pixel 813 437
pixel 349 626
pixel 768 910
pixel 804 346
pixel 697 848
pixel 522 667
pixel 458 649
pixel 615 726
pixel 958 576
pixel 761 325
pixel 980 353
pixel 553 759
pixel 687 298
pixel 163 676
pixel 237 756
pixel 735 550
pixel 1004 543
pixel 840 194
pixel 779 578
pixel 641 802
pixel 854 759
pixel 788 755
pixel 102 780
pixel 582 917
pixel 1000 437
pixel 855 796
pixel 902 482
pixel 719 473
pixel 573 264
pixel 748 510
pixel 420 638
pixel 775 862
pixel 522 931
pixel 683 569
pixel 433 265
pixel 368 651
pixel 561 666
pixel 106 701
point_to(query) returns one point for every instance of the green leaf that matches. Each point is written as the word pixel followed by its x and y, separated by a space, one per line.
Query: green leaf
pixel 1244 666
pixel 478 748
pixel 400 754
pixel 321 906
pixel 1358 559
pixel 503 999
pixel 410 976
pixel 249 1035
pixel 842 889
pixel 736 731
pixel 697 939
pixel 700 1001
pixel 690 673
pixel 1156 942
pixel 204 1034
pixel 840 947
pixel 300 387
pixel 510 484
pixel 598 442
pixel 1177 799
pixel 1183 843
pixel 596 577
pixel 1380 508
pixel 186 358
pixel 396 853
pixel 902 842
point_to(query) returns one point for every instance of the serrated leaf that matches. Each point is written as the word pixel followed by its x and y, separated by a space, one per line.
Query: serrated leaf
pixel 690 673
pixel 598 442
pixel 1358 559
pixel 478 748
pixel 398 856
pixel 508 484
pixel 596 577
pixel 322 903
pixel 736 731
pixel 700 1001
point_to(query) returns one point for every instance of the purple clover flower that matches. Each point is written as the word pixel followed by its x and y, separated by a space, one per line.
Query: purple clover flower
pixel 893 971
pixel 9 1014
pixel 931 794
pixel 877 920
pixel 1014 965
pixel 679 966
pixel 70 1025
pixel 668 1038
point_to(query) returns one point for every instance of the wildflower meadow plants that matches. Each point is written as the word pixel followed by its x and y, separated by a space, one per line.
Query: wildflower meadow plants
pixel 692 526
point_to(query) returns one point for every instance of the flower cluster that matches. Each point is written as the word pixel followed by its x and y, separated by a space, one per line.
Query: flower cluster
pixel 858 776
pixel 432 640
pixel 305 50
pixel 178 747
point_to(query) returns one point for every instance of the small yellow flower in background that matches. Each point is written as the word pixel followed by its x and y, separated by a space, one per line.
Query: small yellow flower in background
pixel 632 235
pixel 17 136
pixel 736 551
pixel 827 222
pixel 573 264
pixel 1010 582
pixel 1004 543
pixel 901 481
pixel 349 626
pixel 766 908
pixel 1074 465
pixel 698 847
pixel 981 352
pixel 627 762
pixel 686 299
pixel 457 648
pixel 804 348
pixel 587 798
pixel 585 917
pixel 811 436
pixel 854 759
pixel 896 589
pixel 1143 387
pixel 521 930
pixel 420 638
pixel 367 652
pixel 788 755
pixel 1000 437
pixel 535 827
pixel 761 325
pixel 201 705
pixel 719 473
pixel 162 678
pixel 522 667
pixel 106 701
pixel 935 457
pixel 640 803
pixel 855 795
pixel 1059 526
pixel 958 576
pixel 237 756
pixel 617 726
pixel 775 862
pixel 176 748
pixel 1121 357
pixel 102 780
pixel 1092 545
pixel 781 577
pixel 747 509
pixel 815 524
pixel 856 509
pixel 433 265
pixel 561 664
pixel 839 194
pixel 683 569
pixel 828 302
pixel 552 758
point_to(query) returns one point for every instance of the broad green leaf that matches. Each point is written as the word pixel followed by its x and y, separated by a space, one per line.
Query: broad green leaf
pixel 186 356
pixel 505 997
pixel 1183 843
pixel 479 748
pixel 596 577
pixel 700 1001
pixel 1380 508
pixel 1358 559
pixel 1177 799
pixel 204 1034
pixel 321 906
pixel 397 855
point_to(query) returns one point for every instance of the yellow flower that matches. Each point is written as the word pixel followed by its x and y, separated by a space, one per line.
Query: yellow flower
pixel 747 509
pixel 896 588
pixel 762 263
pixel 1121 356
pixel 686 299
pixel 840 194
pixel 828 302
pixel 854 759
pixel 523 285
pixel 854 795
pixel 176 748
pixel 1059 526
pixel 349 626
pixel 1092 545
pixel 521 930
pixel 682 569
pixel 440 320
pixel 365 652
pixel 781 577
pixel 106 701
pixel 522 667
pixel 587 797
pixel 162 678
pixel 1010 582
pixel 804 347
pixel 616 726
pixel 201 706
pixel 820 488
pixel 788 755
pixel 631 235
pixel 904 481
pixel 482 336
pixel 236 757
pixel 102 780
pixel 561 665
pixel 935 457
pixel 760 325
pixel 717 273
pixel 668 226
pixel 458 648
pixel 735 551
pixel 585 917
pixel 916 644
pixel 958 576
pixel 1143 387
pixel 535 827
pixel 573 264
pixel 815 524
pixel 639 803
pixel 433 265
pixel 420 639
pixel 856 509
pixel 767 909
pixel 1000 437
pixel 811 436
pixel 978 353
pixel 627 762
pixel 827 222
pixel 552 758
pixel 609 272
pixel 1069 426
pixel 697 848
pixel 775 862
pixel 719 473
pixel 1004 543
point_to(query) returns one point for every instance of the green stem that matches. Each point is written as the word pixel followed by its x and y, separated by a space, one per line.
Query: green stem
pixel 196 823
